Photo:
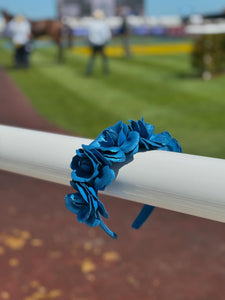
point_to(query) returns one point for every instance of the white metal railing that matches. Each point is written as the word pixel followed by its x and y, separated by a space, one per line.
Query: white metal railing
pixel 184 183
pixel 133 21
pixel 201 29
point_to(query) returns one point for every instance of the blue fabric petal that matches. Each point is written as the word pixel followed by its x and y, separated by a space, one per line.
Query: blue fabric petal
pixel 93 192
pixel 105 178
pixel 79 174
pixel 93 220
pixel 73 184
pixel 102 159
pixel 134 126
pixel 117 126
pixel 102 210
pixel 121 138
pixel 143 130
pixel 113 154
pixel 131 143
pixel 82 192
pixel 174 146
pixel 144 143
pixel 70 204
pixel 161 138
pixel 83 214
pixel 150 128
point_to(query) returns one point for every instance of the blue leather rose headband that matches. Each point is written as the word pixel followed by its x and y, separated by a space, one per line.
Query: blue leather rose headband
pixel 93 168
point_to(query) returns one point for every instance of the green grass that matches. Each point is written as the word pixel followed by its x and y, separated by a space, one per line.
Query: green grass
pixel 160 88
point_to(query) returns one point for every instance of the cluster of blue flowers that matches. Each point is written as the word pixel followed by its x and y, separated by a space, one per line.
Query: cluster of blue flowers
pixel 93 168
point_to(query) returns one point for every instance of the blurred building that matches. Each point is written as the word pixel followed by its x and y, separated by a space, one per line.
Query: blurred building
pixel 78 8
pixel 108 6
pixel 73 8
pixel 134 7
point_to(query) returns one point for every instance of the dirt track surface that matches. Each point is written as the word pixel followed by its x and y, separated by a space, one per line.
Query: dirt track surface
pixel 46 254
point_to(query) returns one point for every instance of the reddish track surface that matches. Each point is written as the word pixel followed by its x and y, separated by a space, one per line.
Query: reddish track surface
pixel 46 254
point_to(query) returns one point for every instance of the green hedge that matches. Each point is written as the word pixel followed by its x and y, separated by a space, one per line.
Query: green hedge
pixel 208 56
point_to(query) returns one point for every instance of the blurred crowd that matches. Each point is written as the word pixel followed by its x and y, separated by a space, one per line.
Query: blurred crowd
pixel 22 31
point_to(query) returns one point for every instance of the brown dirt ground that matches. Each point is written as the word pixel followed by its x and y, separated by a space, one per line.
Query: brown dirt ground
pixel 46 254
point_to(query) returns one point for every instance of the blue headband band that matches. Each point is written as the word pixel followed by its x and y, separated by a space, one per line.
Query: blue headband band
pixel 93 168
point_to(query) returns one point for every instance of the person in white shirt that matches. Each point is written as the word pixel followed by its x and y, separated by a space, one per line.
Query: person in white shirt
pixel 99 35
pixel 20 31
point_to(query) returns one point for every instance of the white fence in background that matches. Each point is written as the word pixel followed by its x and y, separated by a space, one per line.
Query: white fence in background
pixel 133 21
pixel 184 183
pixel 200 29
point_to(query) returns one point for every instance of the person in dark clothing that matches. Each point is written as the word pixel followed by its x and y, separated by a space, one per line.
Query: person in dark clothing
pixel 124 32
pixel 20 30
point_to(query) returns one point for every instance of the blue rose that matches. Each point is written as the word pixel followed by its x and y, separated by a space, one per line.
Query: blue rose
pixel 86 205
pixel 150 141
pixel 90 167
pixel 164 141
pixel 117 142
pixel 145 131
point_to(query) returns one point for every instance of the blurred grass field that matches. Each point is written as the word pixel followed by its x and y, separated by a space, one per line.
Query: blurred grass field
pixel 161 88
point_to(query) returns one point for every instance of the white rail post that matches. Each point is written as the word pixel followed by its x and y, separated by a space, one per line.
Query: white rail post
pixel 184 183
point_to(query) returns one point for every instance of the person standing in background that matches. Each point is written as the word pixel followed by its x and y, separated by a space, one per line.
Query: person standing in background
pixel 124 32
pixel 20 31
pixel 99 35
